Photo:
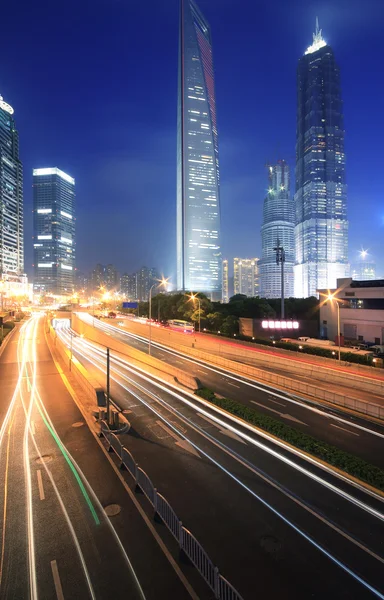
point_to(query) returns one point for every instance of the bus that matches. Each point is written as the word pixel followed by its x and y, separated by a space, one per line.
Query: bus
pixel 179 325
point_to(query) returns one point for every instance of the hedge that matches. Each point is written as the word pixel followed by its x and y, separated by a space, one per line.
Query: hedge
pixel 353 465
pixel 7 328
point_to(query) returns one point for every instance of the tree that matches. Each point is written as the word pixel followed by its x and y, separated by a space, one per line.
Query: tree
pixel 230 325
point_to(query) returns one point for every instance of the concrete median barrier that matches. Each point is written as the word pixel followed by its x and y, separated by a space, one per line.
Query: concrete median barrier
pixel 140 359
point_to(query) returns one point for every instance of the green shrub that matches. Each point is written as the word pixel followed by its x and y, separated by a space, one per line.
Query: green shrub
pixel 353 465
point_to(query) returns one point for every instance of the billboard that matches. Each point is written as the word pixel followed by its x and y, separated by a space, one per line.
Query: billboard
pixel 130 304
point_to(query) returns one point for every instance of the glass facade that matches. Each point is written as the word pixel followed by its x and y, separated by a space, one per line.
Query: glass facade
pixel 225 284
pixel 321 225
pixel 54 232
pixel 198 201
pixel 246 276
pixel 277 229
pixel 11 196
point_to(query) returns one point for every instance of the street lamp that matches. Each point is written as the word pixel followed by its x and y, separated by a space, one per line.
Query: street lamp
pixel 330 298
pixel 156 284
pixel 194 297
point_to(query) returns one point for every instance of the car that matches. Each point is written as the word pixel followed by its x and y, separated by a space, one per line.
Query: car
pixel 285 340
pixel 304 338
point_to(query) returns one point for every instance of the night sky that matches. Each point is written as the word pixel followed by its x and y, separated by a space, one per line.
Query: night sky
pixel 94 88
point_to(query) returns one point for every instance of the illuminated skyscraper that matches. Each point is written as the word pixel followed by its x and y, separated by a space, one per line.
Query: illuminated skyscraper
pixel 198 201
pixel 225 287
pixel 11 196
pixel 277 229
pixel 321 231
pixel 246 276
pixel 54 231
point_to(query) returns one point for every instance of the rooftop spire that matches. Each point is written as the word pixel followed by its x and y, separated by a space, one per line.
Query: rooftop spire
pixel 318 41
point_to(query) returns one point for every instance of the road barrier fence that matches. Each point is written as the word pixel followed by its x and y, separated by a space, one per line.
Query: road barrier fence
pixel 188 544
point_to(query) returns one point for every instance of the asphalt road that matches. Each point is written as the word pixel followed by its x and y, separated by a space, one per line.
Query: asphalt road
pixel 355 435
pixel 273 523
pixel 56 538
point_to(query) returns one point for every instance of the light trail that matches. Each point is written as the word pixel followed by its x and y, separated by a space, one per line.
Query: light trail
pixel 231 375
pixel 195 406
pixel 302 533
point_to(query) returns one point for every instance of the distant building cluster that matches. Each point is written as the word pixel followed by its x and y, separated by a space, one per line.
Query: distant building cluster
pixel 105 278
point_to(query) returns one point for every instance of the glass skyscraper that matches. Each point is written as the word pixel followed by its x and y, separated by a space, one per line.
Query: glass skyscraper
pixel 54 232
pixel 321 230
pixel 198 200
pixel 11 196
pixel 277 230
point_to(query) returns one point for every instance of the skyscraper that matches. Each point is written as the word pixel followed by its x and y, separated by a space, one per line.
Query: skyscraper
pixel 246 276
pixel 198 200
pixel 225 286
pixel 11 196
pixel 277 229
pixel 321 231
pixel 54 231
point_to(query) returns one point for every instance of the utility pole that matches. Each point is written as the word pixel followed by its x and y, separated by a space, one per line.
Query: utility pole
pixel 280 260
pixel 108 391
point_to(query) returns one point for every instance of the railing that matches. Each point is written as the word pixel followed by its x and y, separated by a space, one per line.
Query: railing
pixel 188 544
pixel 146 485
pixel 198 556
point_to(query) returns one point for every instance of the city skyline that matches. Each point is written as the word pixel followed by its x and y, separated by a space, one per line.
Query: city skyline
pixel 241 181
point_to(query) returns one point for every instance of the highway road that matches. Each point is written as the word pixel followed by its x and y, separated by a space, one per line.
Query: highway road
pixel 57 487
pixel 273 522
pixel 350 433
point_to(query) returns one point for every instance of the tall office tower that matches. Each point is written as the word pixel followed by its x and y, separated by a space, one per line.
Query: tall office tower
pixel 321 231
pixel 225 287
pixel 246 276
pixel 198 200
pixel 364 269
pixel 278 229
pixel 145 278
pixel 97 277
pixel 54 231
pixel 11 196
pixel 128 286
pixel 111 278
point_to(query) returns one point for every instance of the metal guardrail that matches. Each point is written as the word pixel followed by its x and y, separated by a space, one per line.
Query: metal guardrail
pixel 168 516
pixel 146 485
pixel 198 556
pixel 188 544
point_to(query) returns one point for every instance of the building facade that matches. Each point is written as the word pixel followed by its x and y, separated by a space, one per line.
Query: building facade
pixel 145 278
pixel 278 229
pixel 128 286
pixel 54 242
pixel 361 309
pixel 321 225
pixel 246 276
pixel 225 284
pixel 198 197
pixel 11 196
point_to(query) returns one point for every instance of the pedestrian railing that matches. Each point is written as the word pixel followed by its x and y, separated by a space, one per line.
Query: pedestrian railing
pixel 168 516
pixel 146 485
pixel 188 544
pixel 198 556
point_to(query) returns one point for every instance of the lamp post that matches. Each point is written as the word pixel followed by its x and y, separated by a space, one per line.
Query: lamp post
pixel 156 284
pixel 330 298
pixel 194 297
pixel 280 259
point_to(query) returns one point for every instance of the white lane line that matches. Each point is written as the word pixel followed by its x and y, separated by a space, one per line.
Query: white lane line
pixel 200 370
pixel 347 430
pixel 275 402
pixel 56 580
pixel 267 407
pixel 232 384
pixel 40 484
pixel 182 442
pixel 282 415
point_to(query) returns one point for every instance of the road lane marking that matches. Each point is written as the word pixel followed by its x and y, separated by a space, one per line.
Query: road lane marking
pixel 223 430
pixel 56 580
pixel 267 407
pixel 40 484
pixel 181 442
pixel 275 402
pixel 200 370
pixel 232 384
pixel 282 415
pixel 347 430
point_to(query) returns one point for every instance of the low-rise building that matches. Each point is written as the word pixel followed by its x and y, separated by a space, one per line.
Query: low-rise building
pixel 360 307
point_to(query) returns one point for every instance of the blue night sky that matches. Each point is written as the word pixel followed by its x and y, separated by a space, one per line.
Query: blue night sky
pixel 94 88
